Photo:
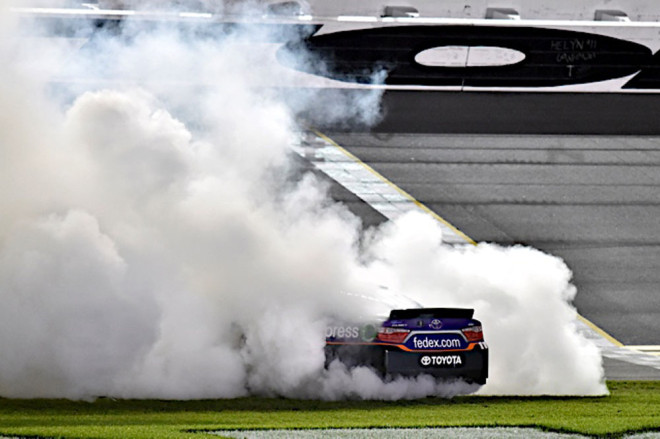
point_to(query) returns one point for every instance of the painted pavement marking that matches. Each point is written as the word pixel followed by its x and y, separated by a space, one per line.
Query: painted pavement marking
pixel 366 183
pixel 608 349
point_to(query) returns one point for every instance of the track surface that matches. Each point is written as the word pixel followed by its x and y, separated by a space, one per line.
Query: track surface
pixel 593 200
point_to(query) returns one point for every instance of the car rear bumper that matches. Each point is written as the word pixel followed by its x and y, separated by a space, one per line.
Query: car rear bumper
pixel 470 365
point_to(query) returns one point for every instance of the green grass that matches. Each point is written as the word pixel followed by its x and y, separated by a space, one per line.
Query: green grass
pixel 633 406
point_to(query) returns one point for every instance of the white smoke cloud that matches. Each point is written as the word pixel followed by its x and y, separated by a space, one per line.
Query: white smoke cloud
pixel 156 242
pixel 521 295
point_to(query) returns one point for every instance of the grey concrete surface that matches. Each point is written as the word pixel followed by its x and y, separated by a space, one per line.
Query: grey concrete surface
pixel 623 370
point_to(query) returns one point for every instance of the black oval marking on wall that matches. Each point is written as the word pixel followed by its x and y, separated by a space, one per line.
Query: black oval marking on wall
pixel 553 57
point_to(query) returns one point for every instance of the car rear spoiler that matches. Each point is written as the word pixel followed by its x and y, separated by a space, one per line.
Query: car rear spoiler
pixel 447 313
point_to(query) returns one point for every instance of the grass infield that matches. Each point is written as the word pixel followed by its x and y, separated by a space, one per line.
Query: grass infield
pixel 632 406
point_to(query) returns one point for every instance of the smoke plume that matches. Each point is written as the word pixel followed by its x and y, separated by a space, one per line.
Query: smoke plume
pixel 158 240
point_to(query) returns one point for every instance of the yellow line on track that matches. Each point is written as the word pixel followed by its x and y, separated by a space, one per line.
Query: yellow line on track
pixel 600 331
pixel 587 322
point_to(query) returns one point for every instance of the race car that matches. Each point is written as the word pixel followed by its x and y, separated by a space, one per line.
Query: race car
pixel 442 342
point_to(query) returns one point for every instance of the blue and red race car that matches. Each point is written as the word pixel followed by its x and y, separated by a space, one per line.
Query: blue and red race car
pixel 443 342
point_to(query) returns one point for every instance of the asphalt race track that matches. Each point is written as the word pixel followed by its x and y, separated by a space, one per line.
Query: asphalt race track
pixel 592 199
pixel 595 201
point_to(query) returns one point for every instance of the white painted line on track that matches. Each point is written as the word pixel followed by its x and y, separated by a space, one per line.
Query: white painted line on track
pixel 647 349
pixel 618 352
pixel 370 186
pixel 392 202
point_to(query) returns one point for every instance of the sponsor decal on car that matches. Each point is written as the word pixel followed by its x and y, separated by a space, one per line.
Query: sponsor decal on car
pixel 368 332
pixel 434 343
pixel 445 361
pixel 435 324
pixel 365 333
pixel 342 332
